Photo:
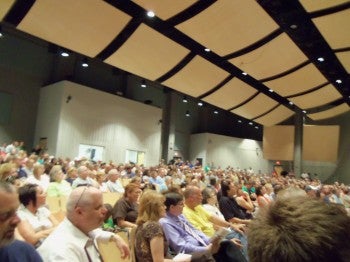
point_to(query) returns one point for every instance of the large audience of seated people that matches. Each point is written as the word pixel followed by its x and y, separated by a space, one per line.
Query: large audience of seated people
pixel 210 214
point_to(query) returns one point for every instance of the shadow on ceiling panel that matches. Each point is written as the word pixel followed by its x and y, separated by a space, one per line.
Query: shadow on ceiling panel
pixel 197 77
pixel 229 25
pixel 280 54
pixel 165 9
pixel 304 79
pixel 5 6
pixel 255 107
pixel 147 53
pixel 319 97
pixel 231 94
pixel 276 116
pixel 312 5
pixel 77 25
pixel 337 110
pixel 344 58
pixel 335 28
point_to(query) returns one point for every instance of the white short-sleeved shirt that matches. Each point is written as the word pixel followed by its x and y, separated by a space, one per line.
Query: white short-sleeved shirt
pixel 39 221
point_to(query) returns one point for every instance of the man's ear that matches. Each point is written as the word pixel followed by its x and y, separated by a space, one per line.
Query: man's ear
pixel 78 210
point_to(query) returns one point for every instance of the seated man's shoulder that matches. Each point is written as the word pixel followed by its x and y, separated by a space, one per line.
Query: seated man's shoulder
pixel 19 251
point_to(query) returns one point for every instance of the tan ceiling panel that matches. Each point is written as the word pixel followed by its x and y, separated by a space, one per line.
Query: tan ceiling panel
pixel 335 28
pixel 280 54
pixel 5 6
pixel 255 107
pixel 275 117
pixel 319 97
pixel 197 77
pixel 231 94
pixel 312 5
pixel 148 54
pixel 330 112
pixel 344 58
pixel 304 79
pixel 229 25
pixel 77 25
pixel 165 9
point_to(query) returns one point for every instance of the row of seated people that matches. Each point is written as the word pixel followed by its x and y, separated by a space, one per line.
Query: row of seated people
pixel 160 222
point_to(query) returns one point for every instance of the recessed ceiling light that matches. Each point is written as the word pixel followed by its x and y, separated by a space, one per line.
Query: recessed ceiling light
pixel 200 104
pixel 239 121
pixel 251 123
pixel 256 127
pixel 187 114
pixel 216 112
pixel 270 90
pixel 291 103
pixel 320 59
pixel 244 73
pixel 64 54
pixel 150 14
pixel 304 111
pixel 293 26
pixel 207 50
pixel 143 83
pixel 338 81
pixel 1 35
pixel 184 99
pixel 84 64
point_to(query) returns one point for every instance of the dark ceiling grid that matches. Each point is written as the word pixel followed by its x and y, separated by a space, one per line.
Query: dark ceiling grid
pixel 168 30
pixel 310 41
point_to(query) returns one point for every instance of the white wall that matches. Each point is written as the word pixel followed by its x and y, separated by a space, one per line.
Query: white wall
pixel 226 151
pixel 101 119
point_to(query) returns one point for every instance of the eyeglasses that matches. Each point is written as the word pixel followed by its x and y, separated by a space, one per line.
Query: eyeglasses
pixel 81 196
pixel 7 215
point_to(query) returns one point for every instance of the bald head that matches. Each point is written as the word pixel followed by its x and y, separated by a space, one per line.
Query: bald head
pixel 81 196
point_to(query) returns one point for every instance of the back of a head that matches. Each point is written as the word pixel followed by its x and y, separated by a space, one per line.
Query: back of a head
pixel 299 229
pixel 149 207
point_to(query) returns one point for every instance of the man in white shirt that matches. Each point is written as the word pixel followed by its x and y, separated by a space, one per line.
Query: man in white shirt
pixel 75 238
pixel 113 184
pixel 83 178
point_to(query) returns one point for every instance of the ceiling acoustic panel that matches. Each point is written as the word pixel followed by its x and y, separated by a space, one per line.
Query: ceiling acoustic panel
pixel 344 58
pixel 275 117
pixel 304 79
pixel 5 6
pixel 278 143
pixel 280 54
pixel 335 28
pixel 147 53
pixel 319 97
pixel 255 107
pixel 229 25
pixel 335 111
pixel 312 5
pixel 231 94
pixel 165 9
pixel 197 77
pixel 77 25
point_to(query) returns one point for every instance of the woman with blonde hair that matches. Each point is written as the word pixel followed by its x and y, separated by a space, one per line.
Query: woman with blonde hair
pixel 151 244
pixel 58 186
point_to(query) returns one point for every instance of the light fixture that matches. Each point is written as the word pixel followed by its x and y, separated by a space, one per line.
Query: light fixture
pixel 291 103
pixel 200 103
pixel 304 111
pixel 143 83
pixel 187 114
pixel 64 54
pixel 338 81
pixel 207 50
pixel 150 13
pixel 84 63
pixel 244 73
pixel 256 127
pixel 239 121
pixel 294 26
pixel 270 90
pixel 216 112
pixel 320 59
pixel 251 123
pixel 1 35
pixel 184 99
